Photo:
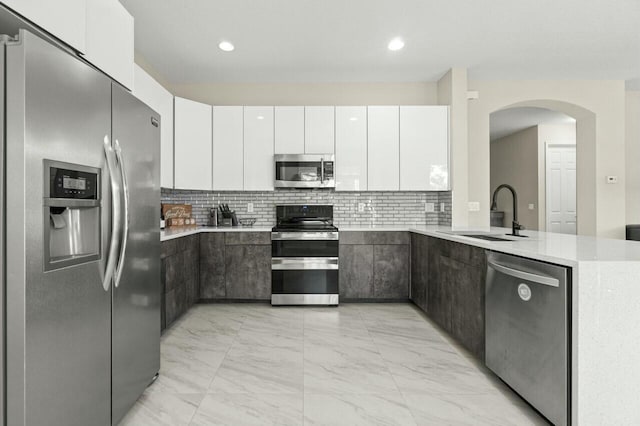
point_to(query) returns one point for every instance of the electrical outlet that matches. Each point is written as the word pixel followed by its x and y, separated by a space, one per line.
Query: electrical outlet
pixel 612 179
pixel 474 206
pixel 532 206
pixel 360 207
pixel 249 207
pixel 429 207
pixel 442 207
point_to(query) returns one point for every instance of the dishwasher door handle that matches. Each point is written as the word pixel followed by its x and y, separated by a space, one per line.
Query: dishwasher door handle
pixel 539 279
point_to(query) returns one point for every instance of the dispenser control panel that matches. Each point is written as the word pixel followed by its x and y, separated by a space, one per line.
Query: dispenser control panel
pixel 75 184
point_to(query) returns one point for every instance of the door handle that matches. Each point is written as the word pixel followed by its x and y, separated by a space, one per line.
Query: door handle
pixel 539 279
pixel 125 222
pixel 115 216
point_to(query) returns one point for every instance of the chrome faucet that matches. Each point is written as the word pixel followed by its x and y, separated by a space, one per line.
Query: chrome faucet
pixel 515 226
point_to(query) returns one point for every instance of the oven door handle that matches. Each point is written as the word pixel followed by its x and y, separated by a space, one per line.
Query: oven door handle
pixel 301 236
pixel 304 263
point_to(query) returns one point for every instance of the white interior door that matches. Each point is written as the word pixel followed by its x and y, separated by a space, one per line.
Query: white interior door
pixel 562 215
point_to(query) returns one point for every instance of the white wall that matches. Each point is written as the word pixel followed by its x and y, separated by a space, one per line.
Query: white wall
pixel 452 91
pixel 514 161
pixel 633 156
pixel 423 93
pixel 550 134
pixel 599 108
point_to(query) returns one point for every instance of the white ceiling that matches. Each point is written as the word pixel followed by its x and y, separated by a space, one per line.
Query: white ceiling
pixel 511 120
pixel 346 40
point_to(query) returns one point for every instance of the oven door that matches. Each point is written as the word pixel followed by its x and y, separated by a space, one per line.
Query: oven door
pixel 304 171
pixel 304 281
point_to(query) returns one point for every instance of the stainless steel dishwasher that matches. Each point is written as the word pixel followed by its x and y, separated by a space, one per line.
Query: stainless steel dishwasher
pixel 528 329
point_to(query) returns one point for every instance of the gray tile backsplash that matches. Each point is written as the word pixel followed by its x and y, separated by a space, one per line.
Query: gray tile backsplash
pixel 380 208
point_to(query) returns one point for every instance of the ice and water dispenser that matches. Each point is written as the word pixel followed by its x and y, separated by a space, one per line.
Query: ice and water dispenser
pixel 71 214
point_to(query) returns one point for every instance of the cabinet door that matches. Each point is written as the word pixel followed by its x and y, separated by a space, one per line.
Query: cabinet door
pixel 319 130
pixel 259 168
pixel 160 99
pixel 228 152
pixel 419 270
pixel 248 272
pixel 192 126
pixel 65 19
pixel 351 148
pixel 424 148
pixel 289 130
pixel 109 39
pixel 384 148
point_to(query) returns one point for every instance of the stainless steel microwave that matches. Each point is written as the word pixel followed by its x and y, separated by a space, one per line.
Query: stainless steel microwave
pixel 305 171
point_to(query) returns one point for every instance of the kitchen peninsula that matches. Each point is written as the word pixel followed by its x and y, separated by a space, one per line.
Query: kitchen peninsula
pixel 605 366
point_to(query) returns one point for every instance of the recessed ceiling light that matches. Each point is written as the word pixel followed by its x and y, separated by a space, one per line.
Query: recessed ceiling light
pixel 354 119
pixel 226 46
pixel 396 44
pixel 260 117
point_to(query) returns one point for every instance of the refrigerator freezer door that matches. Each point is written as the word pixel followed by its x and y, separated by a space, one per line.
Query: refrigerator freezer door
pixel 136 299
pixel 2 241
pixel 58 346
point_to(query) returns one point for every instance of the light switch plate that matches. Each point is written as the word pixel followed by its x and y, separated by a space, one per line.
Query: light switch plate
pixel 249 207
pixel 360 207
pixel 429 207
pixel 532 206
pixel 474 206
pixel 442 207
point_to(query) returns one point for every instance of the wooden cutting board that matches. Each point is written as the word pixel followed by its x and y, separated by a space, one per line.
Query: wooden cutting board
pixel 176 211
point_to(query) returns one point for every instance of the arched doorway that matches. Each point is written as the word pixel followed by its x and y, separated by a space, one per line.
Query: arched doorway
pixel 534 150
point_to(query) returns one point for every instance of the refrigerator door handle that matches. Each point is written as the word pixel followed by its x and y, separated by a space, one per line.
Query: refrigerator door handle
pixel 125 222
pixel 115 215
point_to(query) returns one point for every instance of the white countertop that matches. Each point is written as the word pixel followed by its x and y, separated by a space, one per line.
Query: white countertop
pixel 563 249
pixel 171 233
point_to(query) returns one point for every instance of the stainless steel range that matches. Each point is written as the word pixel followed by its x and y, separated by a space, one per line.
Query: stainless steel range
pixel 304 256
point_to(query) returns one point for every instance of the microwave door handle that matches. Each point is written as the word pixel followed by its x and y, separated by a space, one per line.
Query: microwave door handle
pixel 115 215
pixel 125 219
pixel 322 170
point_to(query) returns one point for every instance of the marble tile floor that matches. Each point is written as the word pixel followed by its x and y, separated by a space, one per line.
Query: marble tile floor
pixel 358 364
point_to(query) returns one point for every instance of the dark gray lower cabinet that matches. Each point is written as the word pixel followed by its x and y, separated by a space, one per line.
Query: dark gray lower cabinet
pixel 356 271
pixel 419 270
pixel 248 272
pixel 448 282
pixel 391 271
pixel 374 265
pixel 212 266
pixel 235 265
pixel 180 260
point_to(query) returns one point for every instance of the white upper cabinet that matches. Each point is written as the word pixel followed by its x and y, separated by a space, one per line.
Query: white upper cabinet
pixel 157 97
pixel 109 39
pixel 193 158
pixel 319 130
pixel 259 168
pixel 351 148
pixel 65 19
pixel 228 152
pixel 424 148
pixel 289 130
pixel 383 148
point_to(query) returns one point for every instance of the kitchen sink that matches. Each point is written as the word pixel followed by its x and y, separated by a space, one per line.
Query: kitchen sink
pixel 485 237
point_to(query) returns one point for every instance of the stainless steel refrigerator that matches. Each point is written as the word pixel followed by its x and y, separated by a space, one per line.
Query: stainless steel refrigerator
pixel 80 253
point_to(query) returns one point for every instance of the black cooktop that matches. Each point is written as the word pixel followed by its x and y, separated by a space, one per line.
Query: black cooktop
pixel 304 218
